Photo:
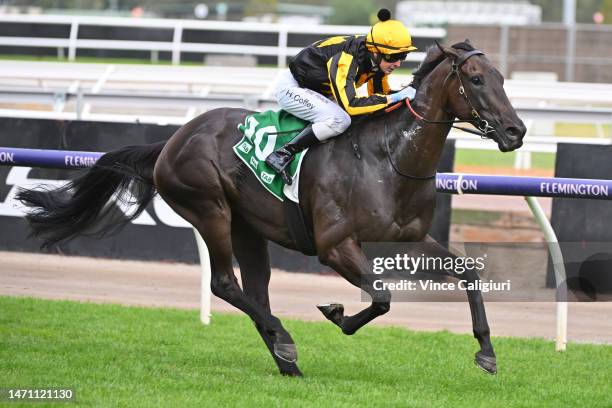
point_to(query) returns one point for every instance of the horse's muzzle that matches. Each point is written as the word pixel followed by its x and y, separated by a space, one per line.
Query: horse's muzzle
pixel 512 137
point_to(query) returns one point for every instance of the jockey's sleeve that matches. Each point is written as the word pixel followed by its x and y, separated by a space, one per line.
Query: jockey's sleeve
pixel 342 71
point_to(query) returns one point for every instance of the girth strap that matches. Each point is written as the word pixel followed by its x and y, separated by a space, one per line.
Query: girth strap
pixel 300 232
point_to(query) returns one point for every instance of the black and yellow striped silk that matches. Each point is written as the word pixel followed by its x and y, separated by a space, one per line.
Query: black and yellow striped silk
pixel 336 67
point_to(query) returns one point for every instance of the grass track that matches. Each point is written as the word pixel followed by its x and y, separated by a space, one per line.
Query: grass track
pixel 119 356
pixel 495 158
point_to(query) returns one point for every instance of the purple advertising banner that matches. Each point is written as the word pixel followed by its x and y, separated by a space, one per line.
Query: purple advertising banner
pixel 57 159
pixel 452 183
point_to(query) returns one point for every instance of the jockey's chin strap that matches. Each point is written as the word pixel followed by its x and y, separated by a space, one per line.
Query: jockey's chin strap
pixel 481 124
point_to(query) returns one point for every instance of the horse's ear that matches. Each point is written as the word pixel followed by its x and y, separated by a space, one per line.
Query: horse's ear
pixel 449 52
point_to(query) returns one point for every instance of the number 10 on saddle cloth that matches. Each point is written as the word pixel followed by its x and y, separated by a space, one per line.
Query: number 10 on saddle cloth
pixel 263 133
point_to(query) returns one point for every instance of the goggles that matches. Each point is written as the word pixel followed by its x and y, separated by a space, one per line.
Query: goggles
pixel 394 57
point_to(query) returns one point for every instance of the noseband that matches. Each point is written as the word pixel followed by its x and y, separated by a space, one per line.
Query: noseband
pixel 481 124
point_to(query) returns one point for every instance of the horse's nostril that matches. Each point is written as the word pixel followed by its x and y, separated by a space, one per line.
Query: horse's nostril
pixel 513 132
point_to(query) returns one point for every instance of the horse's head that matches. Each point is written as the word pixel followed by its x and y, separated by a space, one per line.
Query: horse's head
pixel 475 92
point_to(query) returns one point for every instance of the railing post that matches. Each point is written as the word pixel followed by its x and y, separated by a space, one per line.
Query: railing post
pixel 205 282
pixel 569 21
pixel 283 35
pixel 176 44
pixel 59 101
pixel 570 56
pixel 79 104
pixel 72 42
pixel 559 267
pixel 504 41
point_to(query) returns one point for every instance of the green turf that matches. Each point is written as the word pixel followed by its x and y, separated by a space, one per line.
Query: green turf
pixel 116 356
pixel 494 158
pixel 474 217
pixel 581 130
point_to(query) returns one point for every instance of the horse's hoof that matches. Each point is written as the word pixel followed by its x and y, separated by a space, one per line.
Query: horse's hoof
pixel 332 311
pixel 286 352
pixel 486 363
pixel 292 371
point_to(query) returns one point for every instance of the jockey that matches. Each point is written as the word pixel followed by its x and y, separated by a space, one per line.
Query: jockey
pixel 330 71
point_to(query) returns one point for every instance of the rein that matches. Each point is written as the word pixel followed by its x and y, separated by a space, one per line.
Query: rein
pixel 478 132
pixel 397 170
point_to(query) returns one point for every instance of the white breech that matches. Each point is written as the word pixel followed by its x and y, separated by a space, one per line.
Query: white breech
pixel 327 118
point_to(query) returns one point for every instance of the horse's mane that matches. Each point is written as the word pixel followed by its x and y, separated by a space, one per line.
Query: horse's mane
pixel 432 59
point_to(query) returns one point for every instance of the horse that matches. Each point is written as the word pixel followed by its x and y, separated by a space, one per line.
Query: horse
pixel 385 195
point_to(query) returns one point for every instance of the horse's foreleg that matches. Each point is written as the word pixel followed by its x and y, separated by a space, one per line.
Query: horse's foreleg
pixel 251 251
pixel 485 358
pixel 350 262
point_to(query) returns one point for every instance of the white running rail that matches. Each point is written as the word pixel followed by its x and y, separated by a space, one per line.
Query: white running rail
pixel 176 43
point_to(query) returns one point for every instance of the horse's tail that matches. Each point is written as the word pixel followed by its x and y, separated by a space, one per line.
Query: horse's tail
pixel 83 207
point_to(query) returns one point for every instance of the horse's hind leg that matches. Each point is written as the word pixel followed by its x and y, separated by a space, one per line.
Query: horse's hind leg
pixel 348 260
pixel 251 251
pixel 195 190
pixel 485 358
pixel 213 222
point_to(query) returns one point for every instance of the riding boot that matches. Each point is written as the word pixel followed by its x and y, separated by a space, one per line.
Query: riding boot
pixel 280 159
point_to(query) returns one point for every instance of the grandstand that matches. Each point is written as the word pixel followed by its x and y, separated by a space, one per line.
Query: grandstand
pixel 436 13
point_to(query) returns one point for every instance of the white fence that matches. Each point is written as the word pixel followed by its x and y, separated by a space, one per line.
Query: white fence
pixel 177 45
pixel 206 80
pixel 175 94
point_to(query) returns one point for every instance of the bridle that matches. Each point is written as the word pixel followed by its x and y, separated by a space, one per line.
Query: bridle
pixel 481 124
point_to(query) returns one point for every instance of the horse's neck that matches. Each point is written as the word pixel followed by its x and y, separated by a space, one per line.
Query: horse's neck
pixel 417 146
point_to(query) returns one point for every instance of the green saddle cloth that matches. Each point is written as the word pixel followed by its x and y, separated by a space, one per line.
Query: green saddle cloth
pixel 263 133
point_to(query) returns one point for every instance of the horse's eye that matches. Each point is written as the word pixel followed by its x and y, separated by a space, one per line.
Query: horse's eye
pixel 476 80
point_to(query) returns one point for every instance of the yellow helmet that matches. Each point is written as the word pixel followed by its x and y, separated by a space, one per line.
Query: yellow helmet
pixel 389 36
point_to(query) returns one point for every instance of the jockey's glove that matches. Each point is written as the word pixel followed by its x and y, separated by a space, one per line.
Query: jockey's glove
pixel 406 93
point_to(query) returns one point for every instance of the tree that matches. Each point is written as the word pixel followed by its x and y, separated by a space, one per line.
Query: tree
pixel 258 7
pixel 606 9
pixel 585 10
pixel 552 10
pixel 352 12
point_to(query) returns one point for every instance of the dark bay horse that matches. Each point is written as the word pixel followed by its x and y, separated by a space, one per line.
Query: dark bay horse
pixel 386 195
